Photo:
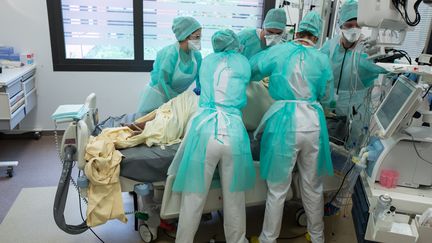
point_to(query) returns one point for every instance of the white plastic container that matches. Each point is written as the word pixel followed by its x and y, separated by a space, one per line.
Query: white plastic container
pixel 27 58
pixel 375 233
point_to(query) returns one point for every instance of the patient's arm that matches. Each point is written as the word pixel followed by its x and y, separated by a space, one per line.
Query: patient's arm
pixel 139 125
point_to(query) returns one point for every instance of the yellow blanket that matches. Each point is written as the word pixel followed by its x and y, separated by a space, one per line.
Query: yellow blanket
pixel 167 127
pixel 103 170
pixel 103 166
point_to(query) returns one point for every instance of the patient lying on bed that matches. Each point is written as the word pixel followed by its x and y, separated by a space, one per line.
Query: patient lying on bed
pixel 166 125
pixel 163 126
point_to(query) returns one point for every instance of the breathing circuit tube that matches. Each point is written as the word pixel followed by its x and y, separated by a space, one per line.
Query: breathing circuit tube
pixel 61 196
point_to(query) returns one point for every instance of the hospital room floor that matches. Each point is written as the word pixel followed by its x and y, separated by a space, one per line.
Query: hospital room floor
pixel 39 169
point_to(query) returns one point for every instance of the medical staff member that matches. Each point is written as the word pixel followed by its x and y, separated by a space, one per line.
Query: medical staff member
pixel 253 41
pixel 353 73
pixel 216 136
pixel 176 66
pixel 295 127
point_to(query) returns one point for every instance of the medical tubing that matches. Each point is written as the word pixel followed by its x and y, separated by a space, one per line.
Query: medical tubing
pixel 342 66
pixel 368 99
pixel 341 71
pixel 61 196
pixel 341 185
pixel 352 175
pixel 62 162
pixel 427 92
pixel 71 179
pixel 81 214
pixel 405 14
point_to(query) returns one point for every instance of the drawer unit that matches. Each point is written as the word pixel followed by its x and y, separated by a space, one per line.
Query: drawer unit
pixel 13 88
pixel 17 95
pixel 17 98
pixel 16 118
pixel 29 84
pixel 30 101
pixel 29 74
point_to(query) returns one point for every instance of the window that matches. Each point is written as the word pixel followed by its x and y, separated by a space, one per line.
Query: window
pixel 98 30
pixel 213 15
pixel 125 35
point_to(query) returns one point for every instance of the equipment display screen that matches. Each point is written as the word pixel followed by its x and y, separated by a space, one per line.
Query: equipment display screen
pixel 393 103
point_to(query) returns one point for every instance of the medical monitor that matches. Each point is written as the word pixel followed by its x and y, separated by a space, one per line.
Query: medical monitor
pixel 400 102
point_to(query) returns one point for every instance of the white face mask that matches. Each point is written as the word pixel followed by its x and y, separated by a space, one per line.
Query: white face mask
pixel 272 40
pixel 194 45
pixel 351 35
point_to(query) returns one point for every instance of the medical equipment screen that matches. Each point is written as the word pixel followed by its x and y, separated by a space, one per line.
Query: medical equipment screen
pixel 393 103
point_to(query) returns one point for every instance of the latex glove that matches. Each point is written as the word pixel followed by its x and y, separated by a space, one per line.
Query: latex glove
pixel 329 114
pixel 197 91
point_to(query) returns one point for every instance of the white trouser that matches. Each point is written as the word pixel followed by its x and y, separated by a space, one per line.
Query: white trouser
pixel 311 187
pixel 233 202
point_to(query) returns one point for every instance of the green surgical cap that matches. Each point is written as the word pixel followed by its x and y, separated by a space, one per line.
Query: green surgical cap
pixel 184 27
pixel 348 11
pixel 312 23
pixel 225 40
pixel 275 19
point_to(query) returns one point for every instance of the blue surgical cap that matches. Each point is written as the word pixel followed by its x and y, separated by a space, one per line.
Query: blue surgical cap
pixel 312 23
pixel 348 11
pixel 275 19
pixel 225 40
pixel 184 27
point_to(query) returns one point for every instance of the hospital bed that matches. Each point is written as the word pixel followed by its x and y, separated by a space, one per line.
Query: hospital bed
pixel 149 165
pixel 144 164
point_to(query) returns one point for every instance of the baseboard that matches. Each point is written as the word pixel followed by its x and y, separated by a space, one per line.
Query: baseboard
pixel 22 134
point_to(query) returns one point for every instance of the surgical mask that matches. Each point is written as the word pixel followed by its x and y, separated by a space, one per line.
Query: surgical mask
pixel 272 40
pixel 351 35
pixel 194 45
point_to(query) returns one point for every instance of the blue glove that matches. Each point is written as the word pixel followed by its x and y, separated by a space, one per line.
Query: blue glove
pixel 197 91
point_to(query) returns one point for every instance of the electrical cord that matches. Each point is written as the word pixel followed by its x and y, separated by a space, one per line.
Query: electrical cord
pixel 81 213
pixel 403 53
pixel 427 92
pixel 415 148
pixel 342 183
pixel 398 4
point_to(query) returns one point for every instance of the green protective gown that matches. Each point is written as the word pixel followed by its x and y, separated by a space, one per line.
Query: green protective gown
pixel 223 94
pixel 354 74
pixel 250 42
pixel 173 72
pixel 300 77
